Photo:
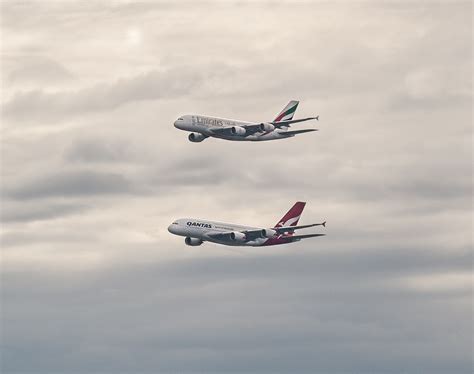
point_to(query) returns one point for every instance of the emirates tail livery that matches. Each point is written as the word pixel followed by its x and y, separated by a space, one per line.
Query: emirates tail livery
pixel 198 231
pixel 202 127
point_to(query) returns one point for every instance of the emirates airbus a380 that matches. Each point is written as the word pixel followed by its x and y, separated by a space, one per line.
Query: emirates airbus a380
pixel 202 127
pixel 197 231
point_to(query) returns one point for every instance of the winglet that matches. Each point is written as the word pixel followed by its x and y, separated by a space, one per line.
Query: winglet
pixel 317 117
pixel 324 224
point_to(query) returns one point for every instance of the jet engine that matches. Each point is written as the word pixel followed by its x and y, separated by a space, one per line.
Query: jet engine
pixel 267 127
pixel 237 130
pixel 237 236
pixel 268 233
pixel 193 242
pixel 196 137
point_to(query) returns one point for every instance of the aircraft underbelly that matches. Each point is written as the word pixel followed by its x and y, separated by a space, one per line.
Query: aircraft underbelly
pixel 253 243
pixel 253 138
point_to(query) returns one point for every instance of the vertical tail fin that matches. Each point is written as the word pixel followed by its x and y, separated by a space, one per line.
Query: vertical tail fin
pixel 292 217
pixel 287 112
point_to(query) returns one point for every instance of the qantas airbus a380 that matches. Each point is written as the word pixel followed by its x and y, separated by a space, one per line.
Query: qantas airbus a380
pixel 202 127
pixel 197 231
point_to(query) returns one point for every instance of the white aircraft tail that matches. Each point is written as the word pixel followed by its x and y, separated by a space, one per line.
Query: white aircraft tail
pixel 287 113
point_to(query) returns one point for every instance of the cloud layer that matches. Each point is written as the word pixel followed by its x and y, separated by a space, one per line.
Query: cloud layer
pixel 93 172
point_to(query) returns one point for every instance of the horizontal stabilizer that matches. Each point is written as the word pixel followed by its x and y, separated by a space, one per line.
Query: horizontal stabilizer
pixel 293 228
pixel 295 132
pixel 299 237
pixel 289 122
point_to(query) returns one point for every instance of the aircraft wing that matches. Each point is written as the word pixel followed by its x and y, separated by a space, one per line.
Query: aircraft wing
pixel 230 236
pixel 290 121
pixel 221 130
pixel 220 235
pixel 283 229
pixel 253 128
pixel 295 132
pixel 257 233
pixel 250 129
pixel 227 236
pixel 252 234
pixel 295 238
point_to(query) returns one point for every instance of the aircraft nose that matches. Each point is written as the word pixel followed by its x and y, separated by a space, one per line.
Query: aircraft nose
pixel 179 123
pixel 173 228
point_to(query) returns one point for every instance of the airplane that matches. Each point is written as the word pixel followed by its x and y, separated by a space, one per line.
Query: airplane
pixel 203 127
pixel 197 231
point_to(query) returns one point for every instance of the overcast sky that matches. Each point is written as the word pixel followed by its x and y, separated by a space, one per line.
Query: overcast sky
pixel 93 172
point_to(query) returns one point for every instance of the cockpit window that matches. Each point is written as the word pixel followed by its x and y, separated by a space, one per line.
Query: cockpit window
pixel 175 223
pixel 180 119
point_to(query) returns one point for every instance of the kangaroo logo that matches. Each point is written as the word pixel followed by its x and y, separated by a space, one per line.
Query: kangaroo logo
pixel 289 222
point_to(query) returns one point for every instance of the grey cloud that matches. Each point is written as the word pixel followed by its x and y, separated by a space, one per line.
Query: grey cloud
pixel 25 237
pixel 413 181
pixel 93 282
pixel 399 101
pixel 36 71
pixel 100 150
pixel 39 105
pixel 196 170
pixel 78 183
pixel 433 87
pixel 335 266
pixel 263 313
pixel 29 212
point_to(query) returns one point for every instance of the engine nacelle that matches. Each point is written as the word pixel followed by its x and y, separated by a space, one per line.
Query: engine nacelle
pixel 267 127
pixel 237 130
pixel 193 242
pixel 237 236
pixel 196 137
pixel 268 233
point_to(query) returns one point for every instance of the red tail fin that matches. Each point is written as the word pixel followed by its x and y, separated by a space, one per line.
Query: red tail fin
pixel 292 217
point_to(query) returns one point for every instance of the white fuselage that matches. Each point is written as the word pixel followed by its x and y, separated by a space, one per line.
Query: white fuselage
pixel 204 124
pixel 200 229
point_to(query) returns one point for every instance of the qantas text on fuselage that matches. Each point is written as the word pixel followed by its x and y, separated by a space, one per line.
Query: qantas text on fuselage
pixel 202 127
pixel 197 231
